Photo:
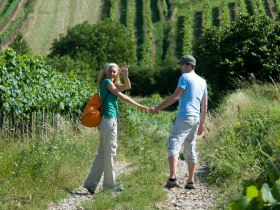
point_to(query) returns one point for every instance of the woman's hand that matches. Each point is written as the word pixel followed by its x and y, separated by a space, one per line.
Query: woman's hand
pixel 144 108
pixel 124 69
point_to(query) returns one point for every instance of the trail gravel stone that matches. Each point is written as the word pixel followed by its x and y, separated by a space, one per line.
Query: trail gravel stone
pixel 74 199
pixel 201 198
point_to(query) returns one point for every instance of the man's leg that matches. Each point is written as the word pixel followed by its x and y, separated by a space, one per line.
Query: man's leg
pixel 172 182
pixel 176 138
pixel 173 160
pixel 189 151
pixel 191 168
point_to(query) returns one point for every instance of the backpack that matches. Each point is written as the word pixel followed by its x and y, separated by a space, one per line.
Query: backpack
pixel 91 116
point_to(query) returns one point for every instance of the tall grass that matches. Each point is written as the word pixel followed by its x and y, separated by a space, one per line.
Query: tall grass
pixel 36 172
pixel 245 126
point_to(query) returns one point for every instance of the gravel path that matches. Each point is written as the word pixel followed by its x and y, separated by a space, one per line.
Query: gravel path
pixel 201 198
pixel 80 195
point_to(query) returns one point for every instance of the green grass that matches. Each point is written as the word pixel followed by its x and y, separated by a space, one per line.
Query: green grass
pixel 36 172
pixel 244 127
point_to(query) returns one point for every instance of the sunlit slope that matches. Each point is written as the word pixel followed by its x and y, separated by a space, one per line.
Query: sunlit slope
pixel 52 18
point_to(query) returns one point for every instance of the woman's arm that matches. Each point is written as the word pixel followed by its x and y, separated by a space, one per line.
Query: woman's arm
pixel 171 100
pixel 126 85
pixel 125 98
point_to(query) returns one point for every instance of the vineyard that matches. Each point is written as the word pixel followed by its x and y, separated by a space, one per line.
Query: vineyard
pixel 43 92
pixel 34 96
pixel 161 30
pixel 165 28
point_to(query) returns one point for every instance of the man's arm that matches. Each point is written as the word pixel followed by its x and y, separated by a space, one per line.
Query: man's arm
pixel 171 100
pixel 204 103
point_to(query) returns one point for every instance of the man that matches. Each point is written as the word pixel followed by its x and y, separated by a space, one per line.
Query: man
pixel 191 92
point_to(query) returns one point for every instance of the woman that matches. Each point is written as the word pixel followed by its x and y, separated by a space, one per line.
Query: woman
pixel 110 91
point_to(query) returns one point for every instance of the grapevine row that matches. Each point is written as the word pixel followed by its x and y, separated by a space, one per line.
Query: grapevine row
pixel 148 33
pixel 8 12
pixel 16 24
pixel 130 20
pixel 27 84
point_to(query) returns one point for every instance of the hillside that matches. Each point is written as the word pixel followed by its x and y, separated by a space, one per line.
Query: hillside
pixel 52 18
pixel 162 28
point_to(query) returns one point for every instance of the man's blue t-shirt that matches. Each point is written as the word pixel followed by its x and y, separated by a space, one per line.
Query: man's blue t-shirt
pixel 194 87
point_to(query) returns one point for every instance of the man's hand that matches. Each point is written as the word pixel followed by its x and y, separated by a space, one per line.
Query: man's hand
pixel 200 129
pixel 153 110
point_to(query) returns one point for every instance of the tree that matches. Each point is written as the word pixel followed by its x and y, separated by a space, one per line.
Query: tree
pixel 250 46
pixel 106 41
pixel 20 45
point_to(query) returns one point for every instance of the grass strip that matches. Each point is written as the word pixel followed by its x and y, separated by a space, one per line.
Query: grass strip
pixel 37 172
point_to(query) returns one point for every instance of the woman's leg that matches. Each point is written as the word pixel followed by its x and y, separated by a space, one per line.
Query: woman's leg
pixel 96 171
pixel 110 151
pixel 97 168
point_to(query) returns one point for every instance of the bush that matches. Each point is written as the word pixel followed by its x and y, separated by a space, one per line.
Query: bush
pixel 104 42
pixel 250 46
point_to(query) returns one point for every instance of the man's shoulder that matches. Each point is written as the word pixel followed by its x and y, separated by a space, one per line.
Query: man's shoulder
pixel 192 76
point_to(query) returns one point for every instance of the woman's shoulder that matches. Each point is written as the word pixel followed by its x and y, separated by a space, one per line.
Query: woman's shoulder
pixel 106 81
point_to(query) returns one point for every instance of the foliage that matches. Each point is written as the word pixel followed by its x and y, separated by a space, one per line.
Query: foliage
pixel 7 12
pixel 38 172
pixel 147 80
pixel 142 80
pixel 20 46
pixel 250 46
pixel 68 65
pixel 27 84
pixel 98 44
pixel 243 147
pixel 267 197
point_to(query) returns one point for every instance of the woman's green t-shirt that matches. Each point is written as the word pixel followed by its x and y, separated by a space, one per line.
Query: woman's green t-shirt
pixel 110 105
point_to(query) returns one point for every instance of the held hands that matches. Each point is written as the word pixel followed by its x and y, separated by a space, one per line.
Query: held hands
pixel 153 110
pixel 144 108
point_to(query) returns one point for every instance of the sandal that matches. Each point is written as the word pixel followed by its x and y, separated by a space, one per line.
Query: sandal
pixel 171 184
pixel 190 186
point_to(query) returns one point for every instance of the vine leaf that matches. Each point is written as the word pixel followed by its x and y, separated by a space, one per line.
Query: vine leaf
pixel 252 192
pixel 267 195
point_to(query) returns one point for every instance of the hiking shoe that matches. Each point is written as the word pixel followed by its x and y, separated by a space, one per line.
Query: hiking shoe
pixel 115 189
pixel 190 186
pixel 118 189
pixel 90 191
pixel 171 184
